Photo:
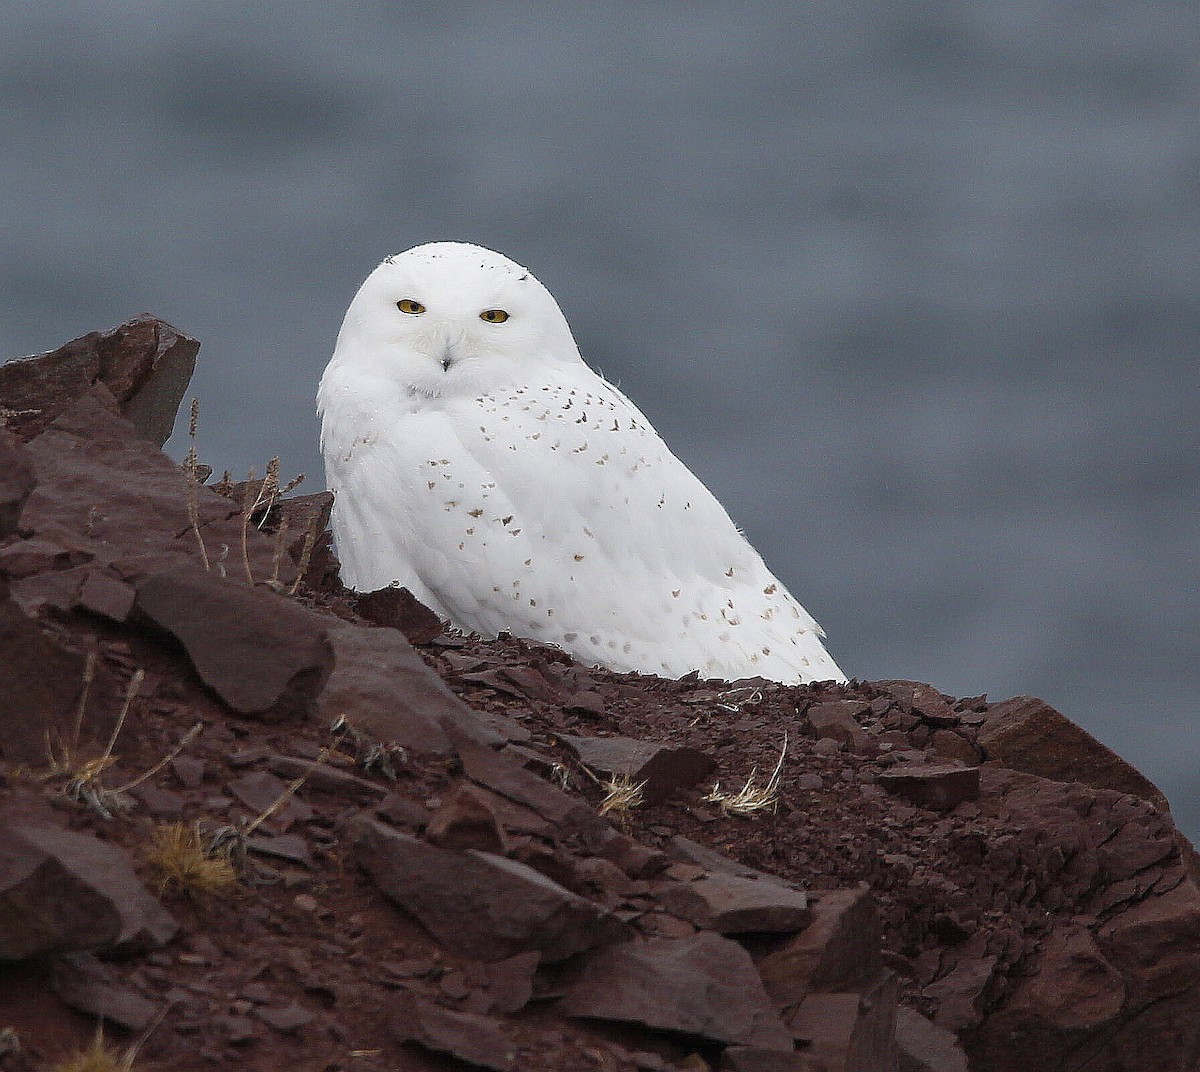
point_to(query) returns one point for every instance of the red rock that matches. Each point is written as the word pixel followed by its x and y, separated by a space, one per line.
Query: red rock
pixel 915 697
pixel 286 1019
pixel 260 790
pixel 510 983
pixel 109 493
pixel 398 608
pixel 754 1059
pixel 387 693
pixel 661 769
pixel 260 653
pixel 1156 943
pixel 703 985
pixel 507 776
pixel 941 787
pixel 27 557
pixel 16 481
pixel 838 950
pixel 145 363
pixel 470 1037
pixel 1026 734
pixel 467 821
pixel 40 681
pixel 850 1032
pixel 290 847
pixel 837 719
pixel 106 596
pixel 1075 993
pixel 480 904
pixel 729 904
pixel 924 1047
pixel 61 891
pixel 96 989
pixel 962 993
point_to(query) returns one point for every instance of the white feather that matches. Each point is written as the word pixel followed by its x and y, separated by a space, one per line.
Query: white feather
pixel 489 470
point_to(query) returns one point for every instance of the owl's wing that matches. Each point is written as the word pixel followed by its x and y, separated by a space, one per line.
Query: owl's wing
pixel 555 511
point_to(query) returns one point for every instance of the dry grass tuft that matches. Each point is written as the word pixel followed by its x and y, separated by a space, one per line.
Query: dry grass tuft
pixel 750 799
pixel 621 794
pixel 181 862
pixel 97 1058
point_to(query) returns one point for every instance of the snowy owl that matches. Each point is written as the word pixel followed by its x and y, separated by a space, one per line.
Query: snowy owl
pixel 476 460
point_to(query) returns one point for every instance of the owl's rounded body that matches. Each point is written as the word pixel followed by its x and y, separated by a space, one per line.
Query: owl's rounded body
pixel 477 460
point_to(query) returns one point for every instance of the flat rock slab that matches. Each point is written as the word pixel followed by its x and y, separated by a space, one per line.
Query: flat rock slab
pixel 838 950
pixel 1027 734
pixel 96 989
pixel 61 891
pixel 661 769
pixel 470 1037
pixel 703 985
pixel 260 653
pixel 483 905
pixel 939 786
pixel 729 904
pixel 387 693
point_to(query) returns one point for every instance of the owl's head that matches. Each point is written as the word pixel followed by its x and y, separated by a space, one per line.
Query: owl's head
pixel 448 318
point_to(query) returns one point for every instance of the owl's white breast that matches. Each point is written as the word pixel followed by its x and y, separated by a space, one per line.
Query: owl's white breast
pixel 553 510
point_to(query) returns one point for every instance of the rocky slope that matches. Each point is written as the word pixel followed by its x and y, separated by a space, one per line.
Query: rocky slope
pixel 442 861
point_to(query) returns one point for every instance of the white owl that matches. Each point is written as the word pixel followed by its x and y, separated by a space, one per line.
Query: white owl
pixel 479 462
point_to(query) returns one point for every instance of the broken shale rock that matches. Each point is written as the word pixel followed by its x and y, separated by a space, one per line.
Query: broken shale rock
pixel 660 769
pixel 938 786
pixel 729 904
pixel 839 950
pixel 486 906
pixel 61 891
pixel 470 1037
pixel 703 985
pixel 145 363
pixel 1027 734
pixel 16 482
pixel 261 653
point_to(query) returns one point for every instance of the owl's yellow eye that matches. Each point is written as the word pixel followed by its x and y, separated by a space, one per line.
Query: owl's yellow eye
pixel 407 305
pixel 494 316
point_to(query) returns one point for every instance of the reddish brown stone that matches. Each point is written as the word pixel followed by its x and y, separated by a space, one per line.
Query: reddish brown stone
pixel 703 985
pixel 96 989
pixel 850 1032
pixel 660 769
pixel 838 950
pixel 61 891
pixel 398 608
pixel 941 787
pixel 106 596
pixel 145 363
pixel 259 652
pixel 470 1037
pixel 728 904
pixel 917 698
pixel 1026 734
pixel 480 904
pixel 924 1047
pixel 837 719
pixel 383 688
pixel 467 821
pixel 40 681
pixel 16 480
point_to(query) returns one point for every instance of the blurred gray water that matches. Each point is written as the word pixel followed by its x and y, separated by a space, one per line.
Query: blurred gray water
pixel 911 285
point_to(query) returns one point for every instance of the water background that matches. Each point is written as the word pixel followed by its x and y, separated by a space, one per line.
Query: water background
pixel 913 286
